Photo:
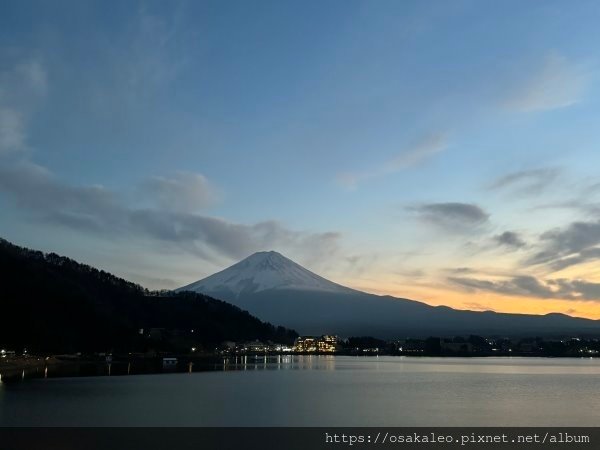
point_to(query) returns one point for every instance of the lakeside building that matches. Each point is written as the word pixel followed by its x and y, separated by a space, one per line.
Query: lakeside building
pixel 255 347
pixel 248 347
pixel 324 344
pixel 281 348
pixel 305 344
pixel 9 353
pixel 169 363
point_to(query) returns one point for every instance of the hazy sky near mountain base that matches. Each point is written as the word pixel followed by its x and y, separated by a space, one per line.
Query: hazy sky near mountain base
pixel 442 151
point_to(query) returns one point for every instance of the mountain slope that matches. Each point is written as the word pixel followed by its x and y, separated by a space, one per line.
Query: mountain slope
pixel 264 271
pixel 54 304
pixel 278 290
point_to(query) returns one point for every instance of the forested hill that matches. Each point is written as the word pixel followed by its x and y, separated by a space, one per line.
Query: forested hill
pixel 50 303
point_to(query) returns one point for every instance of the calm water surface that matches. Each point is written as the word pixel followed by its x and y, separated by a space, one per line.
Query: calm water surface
pixel 322 391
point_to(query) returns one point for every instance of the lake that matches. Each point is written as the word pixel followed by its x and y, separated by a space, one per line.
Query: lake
pixel 322 391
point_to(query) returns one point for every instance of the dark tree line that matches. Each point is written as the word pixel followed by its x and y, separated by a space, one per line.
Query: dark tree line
pixel 50 303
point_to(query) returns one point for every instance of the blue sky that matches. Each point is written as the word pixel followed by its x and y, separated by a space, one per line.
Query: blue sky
pixel 382 144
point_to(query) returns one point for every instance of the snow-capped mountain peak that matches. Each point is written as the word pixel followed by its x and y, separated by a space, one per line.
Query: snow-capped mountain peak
pixel 264 271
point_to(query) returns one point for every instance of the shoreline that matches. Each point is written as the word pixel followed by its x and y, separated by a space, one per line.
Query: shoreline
pixel 33 367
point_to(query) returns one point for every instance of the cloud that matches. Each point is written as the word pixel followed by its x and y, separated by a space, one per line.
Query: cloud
pixel 579 289
pixel 183 191
pixel 168 212
pixel 23 82
pixel 33 75
pixel 206 235
pixel 38 191
pixel 584 256
pixel 95 209
pixel 21 86
pixel 153 52
pixel 12 131
pixel 557 83
pixel 510 239
pixel 527 182
pixel 593 188
pixel 571 244
pixel 529 286
pixel 424 149
pixel 474 306
pixel 410 157
pixel 451 216
pixel 460 270
pixel 138 66
pixel 521 286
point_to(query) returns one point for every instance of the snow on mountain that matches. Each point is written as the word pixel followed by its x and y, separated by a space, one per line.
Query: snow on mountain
pixel 264 271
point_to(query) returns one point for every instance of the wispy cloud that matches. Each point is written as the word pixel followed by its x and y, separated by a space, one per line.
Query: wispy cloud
pixel 32 75
pixel 97 210
pixel 23 81
pixel 556 83
pixel 528 286
pixel 453 216
pixel 560 248
pixel 20 86
pixel 519 286
pixel 510 239
pixel 527 182
pixel 140 64
pixel 582 197
pixel 584 256
pixel 474 306
pixel 12 131
pixel 410 157
pixel 182 191
pixel 459 270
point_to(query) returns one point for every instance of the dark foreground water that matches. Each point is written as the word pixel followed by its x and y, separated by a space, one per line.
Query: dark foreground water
pixel 322 391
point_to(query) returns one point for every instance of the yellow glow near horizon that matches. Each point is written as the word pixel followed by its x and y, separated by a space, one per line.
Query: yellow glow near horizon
pixel 481 300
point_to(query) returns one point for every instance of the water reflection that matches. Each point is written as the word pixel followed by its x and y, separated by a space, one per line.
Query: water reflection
pixel 329 363
pixel 278 362
pixel 279 390
pixel 260 362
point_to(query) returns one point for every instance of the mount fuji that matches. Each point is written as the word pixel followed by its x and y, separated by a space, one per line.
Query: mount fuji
pixel 276 289
pixel 264 271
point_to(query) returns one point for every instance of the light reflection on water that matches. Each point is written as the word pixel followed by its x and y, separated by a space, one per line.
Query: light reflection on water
pixel 321 390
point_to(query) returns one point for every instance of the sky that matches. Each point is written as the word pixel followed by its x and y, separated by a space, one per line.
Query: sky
pixel 447 152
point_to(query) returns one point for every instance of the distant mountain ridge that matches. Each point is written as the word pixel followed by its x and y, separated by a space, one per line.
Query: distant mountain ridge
pixel 279 290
